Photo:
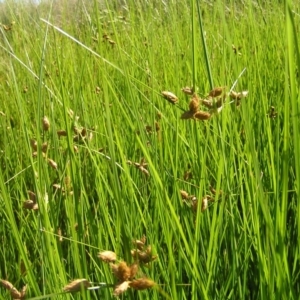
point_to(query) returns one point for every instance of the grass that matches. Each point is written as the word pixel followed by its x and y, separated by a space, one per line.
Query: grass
pixel 120 178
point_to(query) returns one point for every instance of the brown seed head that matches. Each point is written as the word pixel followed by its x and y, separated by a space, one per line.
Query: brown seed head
pixel 204 204
pixel 143 256
pixel 202 115
pixel 139 244
pixel 220 101
pixel 133 270
pixel 216 92
pixel 56 186
pixel 144 171
pixel 107 256
pixel 15 294
pixel 31 195
pixel 238 96
pixel 44 147
pixel 76 285
pixel 33 144
pixel 207 103
pixel 148 129
pixel 184 194
pixel 121 288
pixel 6 284
pixel 29 204
pixel 23 291
pixel 169 97
pixel 142 284
pixel 143 239
pixel 194 104
pixel 188 90
pixel 83 132
pixel 61 133
pixel 46 123
pixel 233 95
pixel 194 203
pixel 187 175
pixel 52 164
pixel 121 271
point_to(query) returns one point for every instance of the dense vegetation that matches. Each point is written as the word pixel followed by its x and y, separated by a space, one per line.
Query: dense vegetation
pixel 196 193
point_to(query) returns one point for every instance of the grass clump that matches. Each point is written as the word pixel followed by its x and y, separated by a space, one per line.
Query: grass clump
pixel 126 119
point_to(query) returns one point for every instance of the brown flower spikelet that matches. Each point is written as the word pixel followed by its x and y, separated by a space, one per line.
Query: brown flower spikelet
pixel 31 195
pixel 202 115
pixel 30 204
pixel 61 133
pixel 52 164
pixel 133 270
pixel 143 239
pixel 141 284
pixel 6 284
pixel 194 104
pixel 139 244
pixel 33 144
pixel 143 256
pixel 107 256
pixel 207 103
pixel 121 288
pixel 44 147
pixel 121 271
pixel 184 194
pixel 220 101
pixel 76 285
pixel 238 95
pixel 23 291
pixel 216 92
pixel 15 294
pixel 46 123
pixel 204 204
pixel 169 97
pixel 187 90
